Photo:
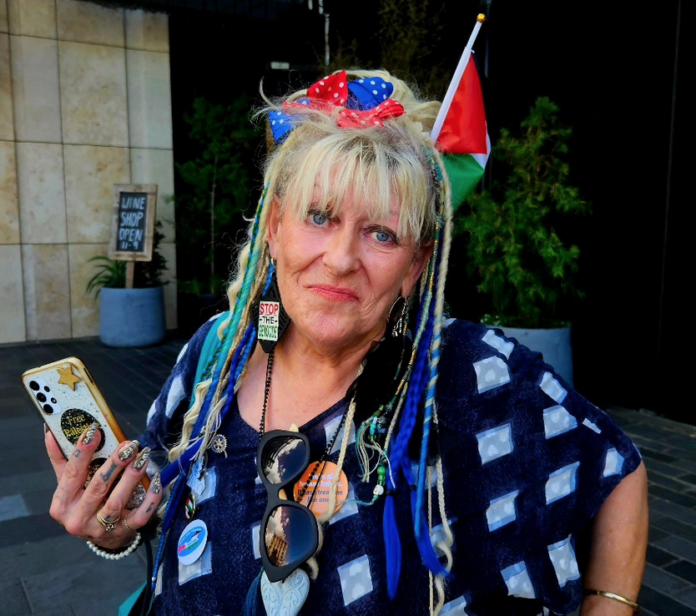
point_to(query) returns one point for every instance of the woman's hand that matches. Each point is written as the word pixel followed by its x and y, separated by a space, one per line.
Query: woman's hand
pixel 76 506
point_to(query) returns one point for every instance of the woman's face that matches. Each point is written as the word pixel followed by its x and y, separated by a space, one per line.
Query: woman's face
pixel 340 273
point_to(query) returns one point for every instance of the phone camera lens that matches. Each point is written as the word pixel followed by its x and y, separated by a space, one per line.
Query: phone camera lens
pixel 47 388
pixel 41 397
pixel 48 409
pixel 54 401
pixel 34 385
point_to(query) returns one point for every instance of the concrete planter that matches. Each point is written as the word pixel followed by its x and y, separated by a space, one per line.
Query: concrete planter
pixel 132 317
pixel 553 344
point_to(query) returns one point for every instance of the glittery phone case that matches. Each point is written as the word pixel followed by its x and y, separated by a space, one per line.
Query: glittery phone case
pixel 69 401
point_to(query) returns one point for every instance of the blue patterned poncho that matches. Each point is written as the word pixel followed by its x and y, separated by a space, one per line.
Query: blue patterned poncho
pixel 527 464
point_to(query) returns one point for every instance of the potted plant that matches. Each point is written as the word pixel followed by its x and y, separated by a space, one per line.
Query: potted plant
pixel 132 317
pixel 514 250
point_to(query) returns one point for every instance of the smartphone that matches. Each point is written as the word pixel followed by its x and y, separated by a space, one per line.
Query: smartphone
pixel 69 401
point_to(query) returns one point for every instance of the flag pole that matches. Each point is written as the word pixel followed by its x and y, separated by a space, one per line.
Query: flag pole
pixel 454 84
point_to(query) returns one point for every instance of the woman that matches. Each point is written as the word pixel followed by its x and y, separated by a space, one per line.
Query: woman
pixel 449 469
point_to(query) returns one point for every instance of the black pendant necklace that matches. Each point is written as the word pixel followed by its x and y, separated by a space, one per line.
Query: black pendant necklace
pixel 325 454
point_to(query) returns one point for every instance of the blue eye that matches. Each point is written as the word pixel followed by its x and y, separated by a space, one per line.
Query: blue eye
pixel 319 219
pixel 382 236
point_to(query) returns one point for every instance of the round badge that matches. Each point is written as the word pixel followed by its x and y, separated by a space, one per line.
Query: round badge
pixel 192 542
pixel 313 488
pixel 75 421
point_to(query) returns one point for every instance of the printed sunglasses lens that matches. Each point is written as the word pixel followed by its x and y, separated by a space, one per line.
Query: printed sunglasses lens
pixel 288 535
pixel 283 457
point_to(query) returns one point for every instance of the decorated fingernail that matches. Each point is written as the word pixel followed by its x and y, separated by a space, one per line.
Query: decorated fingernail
pixel 89 435
pixel 156 485
pixel 126 452
pixel 142 459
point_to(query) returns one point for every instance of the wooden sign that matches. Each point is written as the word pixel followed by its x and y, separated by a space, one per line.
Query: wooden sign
pixel 133 222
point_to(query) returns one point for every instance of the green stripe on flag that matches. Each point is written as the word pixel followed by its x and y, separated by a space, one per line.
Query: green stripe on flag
pixel 464 173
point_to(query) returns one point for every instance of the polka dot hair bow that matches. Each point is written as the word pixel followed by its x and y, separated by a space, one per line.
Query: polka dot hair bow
pixel 365 102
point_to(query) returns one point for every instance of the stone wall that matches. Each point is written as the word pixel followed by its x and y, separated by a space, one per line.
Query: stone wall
pixel 84 104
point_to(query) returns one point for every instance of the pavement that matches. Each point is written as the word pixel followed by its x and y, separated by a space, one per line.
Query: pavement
pixel 45 571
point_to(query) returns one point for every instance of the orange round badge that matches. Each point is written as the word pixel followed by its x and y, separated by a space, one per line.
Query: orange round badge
pixel 316 487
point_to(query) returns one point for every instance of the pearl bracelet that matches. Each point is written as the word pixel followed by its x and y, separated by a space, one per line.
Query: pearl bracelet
pixel 115 555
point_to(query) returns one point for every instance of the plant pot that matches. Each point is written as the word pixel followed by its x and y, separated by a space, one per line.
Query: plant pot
pixel 553 344
pixel 132 317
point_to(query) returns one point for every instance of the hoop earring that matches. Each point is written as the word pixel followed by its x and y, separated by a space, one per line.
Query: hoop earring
pixel 401 324
pixel 272 320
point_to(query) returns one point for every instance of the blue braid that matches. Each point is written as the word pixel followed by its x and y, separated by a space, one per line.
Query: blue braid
pixel 407 422
pixel 434 346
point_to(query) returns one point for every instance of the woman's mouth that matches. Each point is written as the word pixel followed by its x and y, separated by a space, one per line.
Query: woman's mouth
pixel 336 294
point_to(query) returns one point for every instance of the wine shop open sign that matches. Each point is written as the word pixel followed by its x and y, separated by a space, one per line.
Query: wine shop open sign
pixel 133 222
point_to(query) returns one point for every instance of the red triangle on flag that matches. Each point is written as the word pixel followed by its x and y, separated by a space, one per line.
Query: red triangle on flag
pixel 464 130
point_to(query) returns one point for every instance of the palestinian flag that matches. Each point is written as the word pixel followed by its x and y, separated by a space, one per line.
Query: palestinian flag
pixel 460 131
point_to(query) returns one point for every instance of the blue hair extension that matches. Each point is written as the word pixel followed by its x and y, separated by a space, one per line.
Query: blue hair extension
pixel 168 514
pixel 392 544
pixel 424 542
pixel 251 600
pixel 406 424
pixel 434 346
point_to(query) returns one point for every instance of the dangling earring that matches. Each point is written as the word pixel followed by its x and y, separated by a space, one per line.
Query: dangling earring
pixel 401 324
pixel 272 319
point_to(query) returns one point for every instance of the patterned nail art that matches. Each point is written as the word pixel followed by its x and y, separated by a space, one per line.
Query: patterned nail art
pixel 89 435
pixel 142 459
pixel 156 485
pixel 127 451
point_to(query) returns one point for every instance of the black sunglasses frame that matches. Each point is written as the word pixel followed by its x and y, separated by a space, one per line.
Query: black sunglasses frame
pixel 274 572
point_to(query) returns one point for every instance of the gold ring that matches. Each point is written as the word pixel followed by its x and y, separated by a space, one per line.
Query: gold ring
pixel 108 526
pixel 125 521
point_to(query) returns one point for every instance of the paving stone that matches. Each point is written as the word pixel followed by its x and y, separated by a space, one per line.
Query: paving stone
pixel 684 570
pixel 96 581
pixel 680 547
pixel 669 470
pixel 673 510
pixel 659 557
pixel 668 482
pixel 12 507
pixel 28 529
pixel 662 605
pixel 650 454
pixel 673 496
pixel 27 482
pixel 662 580
pixel 676 527
pixel 14 601
pixel 688 596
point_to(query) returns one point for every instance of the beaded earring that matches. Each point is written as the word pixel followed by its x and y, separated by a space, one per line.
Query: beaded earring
pixel 272 319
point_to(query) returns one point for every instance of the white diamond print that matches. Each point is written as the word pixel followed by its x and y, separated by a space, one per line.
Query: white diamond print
pixel 356 579
pixel 502 346
pixel 491 373
pixel 495 443
pixel 564 562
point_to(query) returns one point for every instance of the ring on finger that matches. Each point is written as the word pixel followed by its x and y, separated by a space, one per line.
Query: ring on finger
pixel 125 521
pixel 108 526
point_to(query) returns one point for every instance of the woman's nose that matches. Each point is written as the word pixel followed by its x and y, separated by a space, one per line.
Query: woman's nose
pixel 341 254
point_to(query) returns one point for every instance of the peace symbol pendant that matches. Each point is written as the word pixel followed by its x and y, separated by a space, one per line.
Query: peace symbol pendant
pixel 219 444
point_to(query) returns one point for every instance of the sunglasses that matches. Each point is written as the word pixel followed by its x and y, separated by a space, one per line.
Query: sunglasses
pixel 289 534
